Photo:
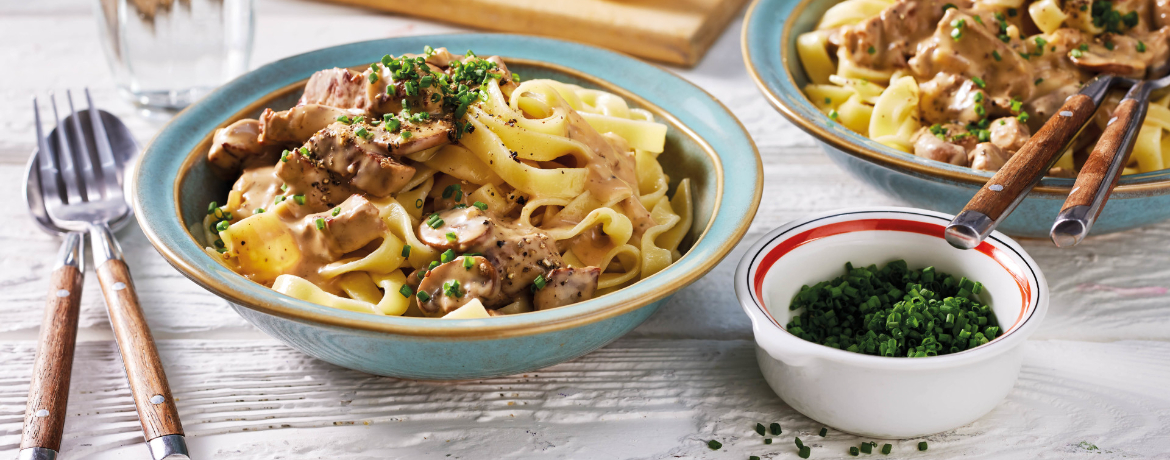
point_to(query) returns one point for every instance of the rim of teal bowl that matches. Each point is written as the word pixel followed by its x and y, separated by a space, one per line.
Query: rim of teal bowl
pixel 763 35
pixel 152 184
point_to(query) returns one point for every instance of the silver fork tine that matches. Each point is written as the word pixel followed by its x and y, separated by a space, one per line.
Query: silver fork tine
pixel 47 163
pixel 105 150
pixel 84 161
pixel 65 158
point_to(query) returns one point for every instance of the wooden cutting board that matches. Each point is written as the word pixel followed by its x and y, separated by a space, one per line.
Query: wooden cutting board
pixel 672 31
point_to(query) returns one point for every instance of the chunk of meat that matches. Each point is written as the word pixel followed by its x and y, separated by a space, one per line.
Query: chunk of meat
pixel 357 224
pixel 297 124
pixel 987 157
pixel 230 146
pixel 928 145
pixel 303 176
pixel 455 283
pixel 564 286
pixel 519 254
pixel 1009 134
pixel 338 156
pixel 341 88
pixel 1127 56
pixel 885 41
pixel 980 57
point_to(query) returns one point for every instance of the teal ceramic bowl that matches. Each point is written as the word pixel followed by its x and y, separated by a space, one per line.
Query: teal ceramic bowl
pixel 173 184
pixel 769 47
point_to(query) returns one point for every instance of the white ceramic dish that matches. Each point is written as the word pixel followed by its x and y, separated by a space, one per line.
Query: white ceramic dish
pixel 879 396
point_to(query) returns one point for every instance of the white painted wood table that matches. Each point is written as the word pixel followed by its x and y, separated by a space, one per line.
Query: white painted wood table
pixel 1095 383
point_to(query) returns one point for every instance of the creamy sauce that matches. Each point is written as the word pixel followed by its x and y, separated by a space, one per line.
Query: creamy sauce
pixel 980 61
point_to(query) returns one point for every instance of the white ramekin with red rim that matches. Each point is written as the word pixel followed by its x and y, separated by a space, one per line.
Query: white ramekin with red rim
pixel 881 396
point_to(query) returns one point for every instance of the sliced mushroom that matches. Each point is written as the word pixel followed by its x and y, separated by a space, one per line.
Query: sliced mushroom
pixel 230 146
pixel 987 157
pixel 455 283
pixel 565 286
pixel 520 254
pixel 927 145
pixel 1009 134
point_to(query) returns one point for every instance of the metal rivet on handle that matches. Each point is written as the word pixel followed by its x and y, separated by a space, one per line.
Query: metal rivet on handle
pixel 1065 113
pixel 62 293
pixel 996 188
pixel 42 413
pixel 119 286
pixel 157 399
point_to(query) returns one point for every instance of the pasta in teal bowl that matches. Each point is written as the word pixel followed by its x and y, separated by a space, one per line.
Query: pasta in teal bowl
pixel 449 216
pixel 923 100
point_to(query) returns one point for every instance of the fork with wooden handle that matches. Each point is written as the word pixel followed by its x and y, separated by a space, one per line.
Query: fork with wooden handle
pixel 1103 168
pixel 1008 187
pixel 92 199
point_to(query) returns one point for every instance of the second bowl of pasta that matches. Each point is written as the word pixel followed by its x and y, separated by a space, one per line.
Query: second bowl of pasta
pixel 405 209
pixel 926 99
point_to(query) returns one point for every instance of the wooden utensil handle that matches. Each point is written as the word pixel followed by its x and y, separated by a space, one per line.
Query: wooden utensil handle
pixel 1016 178
pixel 48 393
pixel 148 383
pixel 1096 173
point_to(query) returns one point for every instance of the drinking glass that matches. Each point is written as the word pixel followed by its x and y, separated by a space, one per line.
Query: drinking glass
pixel 166 54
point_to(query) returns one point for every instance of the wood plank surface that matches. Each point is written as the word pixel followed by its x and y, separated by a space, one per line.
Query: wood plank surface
pixel 634 399
pixel 672 31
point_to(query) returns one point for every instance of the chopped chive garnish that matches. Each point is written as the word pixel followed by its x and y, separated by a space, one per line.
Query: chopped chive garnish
pixel 775 428
pixel 373 78
pixel 452 237
pixel 336 211
pixel 452 289
pixel 447 256
pixel 922 445
pixel 824 432
pixel 280 199
pixel 1109 46
pixel 258 211
pixel 767 440
pixel 406 251
pixel 886 449
pixel 405 134
pixel 949 6
pixel 1141 46
pixel 1038 81
pixel 222 225
pixel 753 457
pixel 418 203
pixel 406 291
pixel 363 133
pixel 433 265
pixel 805 452
pixel 760 429
pixel 833 115
pixel 468 262
pixel 305 151
pixel 211 207
pixel 539 282
pixel 854 451
pixel 995 54
pixel 344 119
pixel 481 205
pixel 799 443
pixel 1023 117
pixel 1012 12
pixel 714 445
pixel 423 296
pixel 979 81
pixel 451 190
pixel 1076 53
pixel 300 199
pixel 871 50
pixel 284 187
pixel 320 223
pixel 436 223
pixel 866 448
pixel 284 156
